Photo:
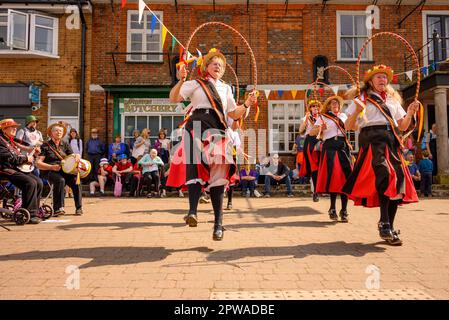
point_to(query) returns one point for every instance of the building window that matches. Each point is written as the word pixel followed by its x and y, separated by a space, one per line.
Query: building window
pixel 284 121
pixel 28 32
pixel 141 39
pixel 440 24
pixel 351 34
pixel 63 107
pixel 154 122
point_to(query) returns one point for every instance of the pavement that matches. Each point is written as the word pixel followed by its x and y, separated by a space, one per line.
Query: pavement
pixel 273 248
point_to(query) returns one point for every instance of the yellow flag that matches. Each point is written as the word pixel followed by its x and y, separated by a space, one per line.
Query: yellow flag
pixel 164 35
pixel 294 93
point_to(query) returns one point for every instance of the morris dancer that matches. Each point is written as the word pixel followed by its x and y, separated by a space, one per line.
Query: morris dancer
pixel 204 156
pixel 380 177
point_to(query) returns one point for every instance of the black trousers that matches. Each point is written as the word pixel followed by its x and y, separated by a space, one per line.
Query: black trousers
pixel 95 161
pixel 152 177
pixel 59 180
pixel 31 187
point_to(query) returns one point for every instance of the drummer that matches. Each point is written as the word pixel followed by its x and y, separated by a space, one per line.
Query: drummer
pixel 49 162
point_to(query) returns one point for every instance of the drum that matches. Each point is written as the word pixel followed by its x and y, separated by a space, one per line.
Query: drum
pixel 70 166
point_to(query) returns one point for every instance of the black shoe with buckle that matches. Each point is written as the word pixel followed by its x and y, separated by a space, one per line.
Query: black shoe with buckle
pixel 333 214
pixel 191 220
pixel 344 216
pixel 385 231
pixel 218 232
pixel 315 197
pixel 396 240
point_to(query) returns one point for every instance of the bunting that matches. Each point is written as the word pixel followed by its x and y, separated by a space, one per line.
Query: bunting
pixel 141 9
pixel 267 93
pixel 280 93
pixel 164 35
pixel 409 75
pixel 335 89
pixel 294 92
pixel 153 22
pixel 123 3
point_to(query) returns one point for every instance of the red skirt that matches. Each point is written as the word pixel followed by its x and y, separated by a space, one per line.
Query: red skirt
pixel 201 152
pixel 380 169
pixel 335 166
pixel 311 158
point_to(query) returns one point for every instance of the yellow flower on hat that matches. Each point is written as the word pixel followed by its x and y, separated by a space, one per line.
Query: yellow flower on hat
pixel 381 68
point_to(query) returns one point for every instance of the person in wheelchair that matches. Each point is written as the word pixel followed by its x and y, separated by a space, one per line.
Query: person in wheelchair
pixel 150 169
pixel 49 162
pixel 10 161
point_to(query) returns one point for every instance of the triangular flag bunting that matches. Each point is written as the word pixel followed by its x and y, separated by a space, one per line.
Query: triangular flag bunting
pixel 153 22
pixel 424 70
pixel 294 93
pixel 194 64
pixel 434 65
pixel 395 79
pixel 309 91
pixel 123 3
pixel 267 93
pixel 280 93
pixel 173 44
pixel 335 89
pixel 141 9
pixel 164 35
pixel 321 91
pixel 409 75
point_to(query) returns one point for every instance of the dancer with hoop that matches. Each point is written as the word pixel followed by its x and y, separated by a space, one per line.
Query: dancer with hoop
pixel 205 154
pixel 309 167
pixel 380 177
pixel 335 161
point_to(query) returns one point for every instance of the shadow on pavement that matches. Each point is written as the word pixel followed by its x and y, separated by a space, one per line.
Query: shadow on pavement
pixel 337 248
pixel 104 256
pixel 121 225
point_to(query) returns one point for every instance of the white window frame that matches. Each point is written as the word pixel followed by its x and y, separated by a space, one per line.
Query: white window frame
pixel 10 29
pixel 286 122
pixel 63 96
pixel 368 50
pixel 426 13
pixel 144 31
pixel 33 33
pixel 30 35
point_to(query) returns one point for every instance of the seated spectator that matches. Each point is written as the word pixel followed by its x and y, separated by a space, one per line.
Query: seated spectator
pixel 425 169
pixel 248 180
pixel 277 173
pixel 162 145
pixel 136 178
pixel 117 149
pixel 414 170
pixel 123 168
pixel 261 169
pixel 138 148
pixel 104 174
pixel 150 169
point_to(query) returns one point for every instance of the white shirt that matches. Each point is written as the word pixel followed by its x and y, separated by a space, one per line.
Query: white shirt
pixel 332 129
pixel 75 148
pixel 309 125
pixel 373 116
pixel 193 90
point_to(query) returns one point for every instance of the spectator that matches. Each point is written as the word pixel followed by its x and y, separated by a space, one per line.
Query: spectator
pixel 426 168
pixel 431 147
pixel 414 170
pixel 136 178
pixel 409 145
pixel 117 149
pixel 75 142
pixel 150 171
pixel 162 145
pixel 123 168
pixel 261 169
pixel 146 136
pixel 248 180
pixel 131 141
pixel 31 136
pixel 277 174
pixel 104 174
pixel 138 148
pixel 95 149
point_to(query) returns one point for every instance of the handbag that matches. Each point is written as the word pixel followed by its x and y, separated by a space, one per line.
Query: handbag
pixel 118 187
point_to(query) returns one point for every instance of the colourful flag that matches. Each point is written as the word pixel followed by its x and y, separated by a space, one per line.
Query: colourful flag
pixel 164 35
pixel 395 79
pixel 173 44
pixel 294 93
pixel 267 93
pixel 280 93
pixel 424 70
pixel 309 91
pixel 335 89
pixel 409 75
pixel 123 3
pixel 141 9
pixel 153 23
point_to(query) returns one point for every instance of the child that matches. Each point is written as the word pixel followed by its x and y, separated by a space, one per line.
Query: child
pixel 413 169
pixel 123 168
pixel 136 178
pixel 104 173
pixel 150 171
pixel 426 168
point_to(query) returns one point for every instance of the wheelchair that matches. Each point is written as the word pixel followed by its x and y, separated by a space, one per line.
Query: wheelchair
pixel 11 208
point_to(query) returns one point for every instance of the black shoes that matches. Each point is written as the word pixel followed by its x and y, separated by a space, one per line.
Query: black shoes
pixel 315 197
pixel 333 214
pixel 218 232
pixel 344 216
pixel 79 211
pixel 396 240
pixel 191 220
pixel 385 231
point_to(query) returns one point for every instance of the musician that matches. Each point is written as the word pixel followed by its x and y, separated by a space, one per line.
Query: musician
pixel 380 177
pixel 10 159
pixel 49 162
pixel 29 135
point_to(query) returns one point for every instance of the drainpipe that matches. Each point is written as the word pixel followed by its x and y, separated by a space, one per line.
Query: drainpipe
pixel 83 67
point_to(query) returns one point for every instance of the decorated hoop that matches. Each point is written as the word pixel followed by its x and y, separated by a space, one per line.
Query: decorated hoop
pixel 253 59
pixel 340 69
pixel 314 84
pixel 418 122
